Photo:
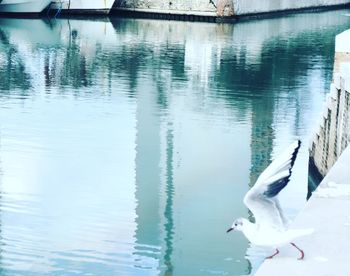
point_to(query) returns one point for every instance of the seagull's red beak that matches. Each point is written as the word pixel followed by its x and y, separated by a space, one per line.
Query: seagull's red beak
pixel 229 230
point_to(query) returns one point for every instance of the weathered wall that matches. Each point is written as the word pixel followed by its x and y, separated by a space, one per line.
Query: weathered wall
pixel 223 7
pixel 242 7
pixel 167 6
pixel 333 134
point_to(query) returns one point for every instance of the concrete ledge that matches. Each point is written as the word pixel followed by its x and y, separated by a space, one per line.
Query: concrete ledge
pixel 83 11
pixel 342 42
pixel 20 15
pixel 327 251
pixel 345 71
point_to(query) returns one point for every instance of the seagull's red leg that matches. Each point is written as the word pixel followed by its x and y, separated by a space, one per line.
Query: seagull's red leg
pixel 301 251
pixel 270 257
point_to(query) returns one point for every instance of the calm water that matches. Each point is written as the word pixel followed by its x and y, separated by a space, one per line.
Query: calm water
pixel 126 146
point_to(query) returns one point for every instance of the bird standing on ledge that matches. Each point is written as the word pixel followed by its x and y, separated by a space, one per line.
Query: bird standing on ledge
pixel 270 228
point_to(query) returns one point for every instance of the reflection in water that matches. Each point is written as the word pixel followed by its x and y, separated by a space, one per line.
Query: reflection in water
pixel 1 201
pixel 148 190
pixel 11 62
pixel 128 145
pixel 168 210
pixel 262 137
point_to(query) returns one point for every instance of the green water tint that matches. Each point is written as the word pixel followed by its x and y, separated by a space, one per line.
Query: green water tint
pixel 126 146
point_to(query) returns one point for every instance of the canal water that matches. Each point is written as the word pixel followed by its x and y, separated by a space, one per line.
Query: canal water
pixel 127 145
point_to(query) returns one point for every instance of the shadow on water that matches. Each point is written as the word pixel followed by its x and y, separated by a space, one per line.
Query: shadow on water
pixel 171 123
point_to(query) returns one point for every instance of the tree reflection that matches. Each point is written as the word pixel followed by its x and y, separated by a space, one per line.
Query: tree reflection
pixel 12 69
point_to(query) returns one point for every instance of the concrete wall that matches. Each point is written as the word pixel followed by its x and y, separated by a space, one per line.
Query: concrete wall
pixel 222 7
pixel 243 7
pixel 333 133
pixel 170 6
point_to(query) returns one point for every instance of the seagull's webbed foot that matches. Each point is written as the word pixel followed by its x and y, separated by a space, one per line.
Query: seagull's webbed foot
pixel 301 251
pixel 270 257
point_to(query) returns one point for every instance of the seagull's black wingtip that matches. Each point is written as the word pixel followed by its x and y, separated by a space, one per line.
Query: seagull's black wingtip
pixel 274 188
pixel 295 153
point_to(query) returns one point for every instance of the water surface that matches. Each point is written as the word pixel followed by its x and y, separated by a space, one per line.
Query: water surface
pixel 126 146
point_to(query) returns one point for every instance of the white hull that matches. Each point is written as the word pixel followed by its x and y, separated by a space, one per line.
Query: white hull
pixel 102 6
pixel 23 6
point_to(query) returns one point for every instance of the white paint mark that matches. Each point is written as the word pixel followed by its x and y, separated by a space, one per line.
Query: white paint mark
pixel 333 190
pixel 321 259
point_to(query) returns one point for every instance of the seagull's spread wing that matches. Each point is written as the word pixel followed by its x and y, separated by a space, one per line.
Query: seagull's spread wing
pixel 262 199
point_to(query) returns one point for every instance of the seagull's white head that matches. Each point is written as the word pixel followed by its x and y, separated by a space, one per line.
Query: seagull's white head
pixel 237 225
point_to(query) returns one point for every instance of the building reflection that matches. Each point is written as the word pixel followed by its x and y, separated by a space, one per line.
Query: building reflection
pixel 72 55
pixel 154 181
pixel 169 204
pixel 148 190
pixel 261 143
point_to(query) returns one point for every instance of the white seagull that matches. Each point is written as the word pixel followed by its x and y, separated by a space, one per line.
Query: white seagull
pixel 270 227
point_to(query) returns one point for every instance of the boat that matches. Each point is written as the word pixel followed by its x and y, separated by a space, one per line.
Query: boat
pixel 23 6
pixel 83 6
